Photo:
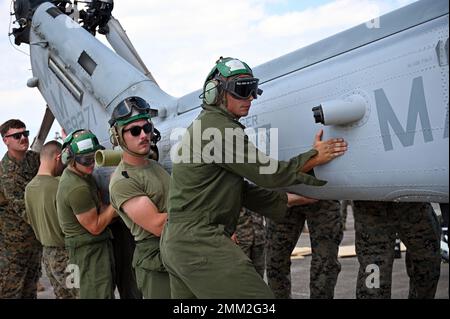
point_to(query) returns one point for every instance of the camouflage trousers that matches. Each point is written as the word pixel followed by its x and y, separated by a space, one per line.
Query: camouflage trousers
pixel 376 225
pixel 55 260
pixel 325 231
pixel 20 261
pixel 251 238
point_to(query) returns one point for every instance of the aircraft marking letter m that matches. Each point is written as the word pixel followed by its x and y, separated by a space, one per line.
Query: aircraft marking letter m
pixel 417 109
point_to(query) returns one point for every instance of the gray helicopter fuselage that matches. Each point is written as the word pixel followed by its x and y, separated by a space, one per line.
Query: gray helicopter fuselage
pixel 397 73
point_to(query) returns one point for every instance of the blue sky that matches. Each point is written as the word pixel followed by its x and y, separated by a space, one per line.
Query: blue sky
pixel 281 7
pixel 179 42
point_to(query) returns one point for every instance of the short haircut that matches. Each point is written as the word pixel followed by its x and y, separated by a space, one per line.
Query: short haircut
pixel 50 149
pixel 5 127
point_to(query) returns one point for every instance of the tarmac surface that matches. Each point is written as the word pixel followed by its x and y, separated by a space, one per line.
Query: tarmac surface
pixel 345 288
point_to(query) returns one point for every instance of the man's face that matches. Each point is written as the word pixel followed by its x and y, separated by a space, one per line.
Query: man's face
pixel 236 106
pixel 136 138
pixel 85 163
pixel 16 140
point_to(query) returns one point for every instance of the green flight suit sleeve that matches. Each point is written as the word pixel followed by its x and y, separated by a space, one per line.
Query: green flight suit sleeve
pixel 244 159
pixel 271 204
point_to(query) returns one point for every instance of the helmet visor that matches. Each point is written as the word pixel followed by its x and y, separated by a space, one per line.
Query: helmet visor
pixel 125 108
pixel 85 160
pixel 243 88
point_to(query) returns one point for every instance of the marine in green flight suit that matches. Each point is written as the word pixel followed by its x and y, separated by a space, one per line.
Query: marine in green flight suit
pixel 83 218
pixel 138 191
pixel 208 188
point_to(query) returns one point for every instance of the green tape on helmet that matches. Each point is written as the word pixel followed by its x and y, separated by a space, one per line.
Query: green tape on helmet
pixel 227 67
pixel 85 143
pixel 80 142
pixel 132 119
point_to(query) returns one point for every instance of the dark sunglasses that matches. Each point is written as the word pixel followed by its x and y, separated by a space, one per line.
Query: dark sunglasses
pixel 18 135
pixel 85 160
pixel 136 130
pixel 243 88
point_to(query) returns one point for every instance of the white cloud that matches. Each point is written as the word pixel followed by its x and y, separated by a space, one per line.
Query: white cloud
pixel 332 17
pixel 21 103
pixel 180 40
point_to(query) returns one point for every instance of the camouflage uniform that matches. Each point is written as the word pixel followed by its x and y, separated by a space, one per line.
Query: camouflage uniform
pixel 20 252
pixel 55 260
pixel 325 231
pixel 376 225
pixel 250 234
